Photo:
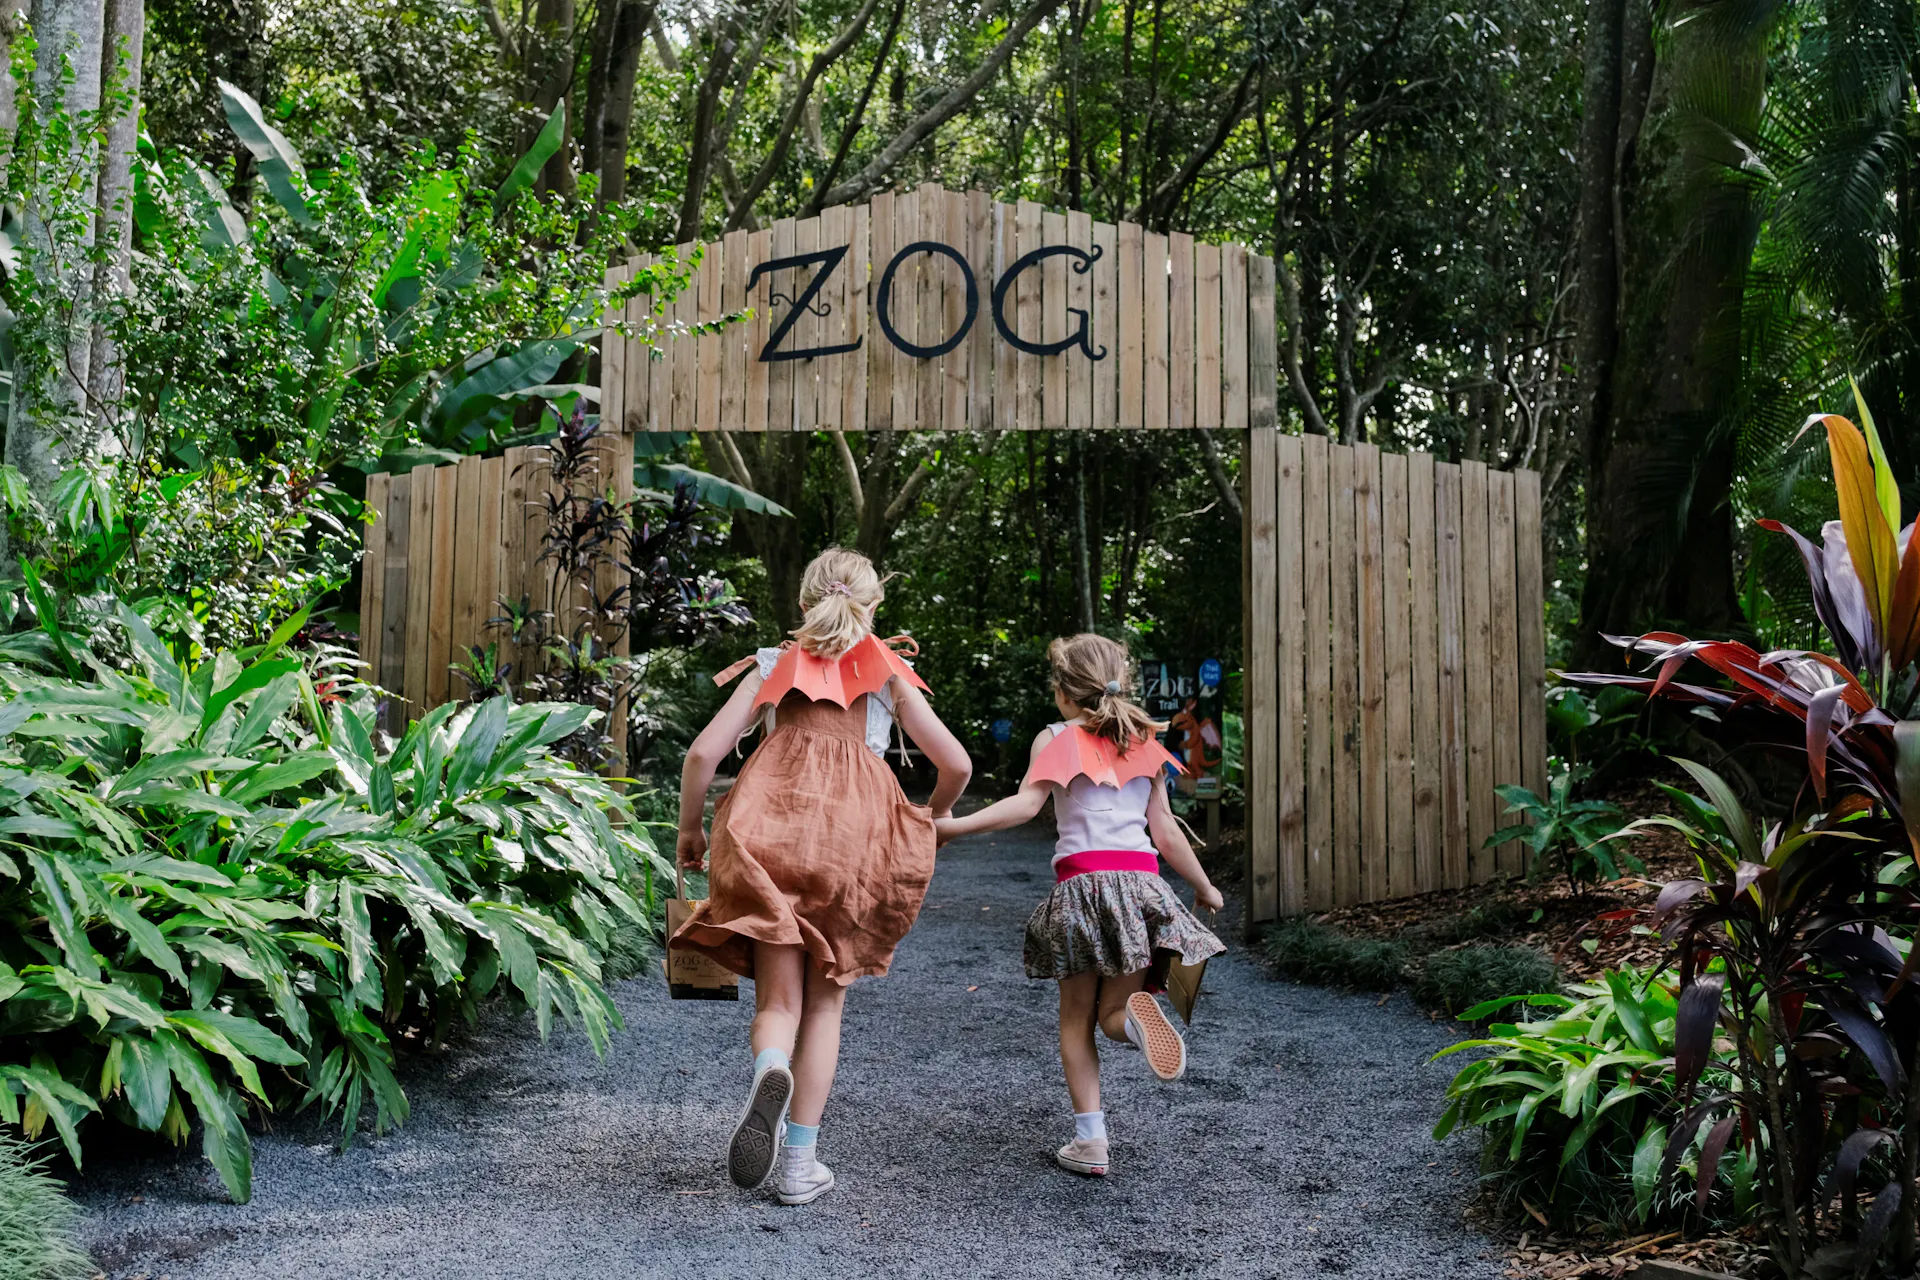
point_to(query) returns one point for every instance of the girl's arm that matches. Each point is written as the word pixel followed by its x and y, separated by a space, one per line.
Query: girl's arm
pixel 1022 806
pixel 936 742
pixel 703 758
pixel 1171 841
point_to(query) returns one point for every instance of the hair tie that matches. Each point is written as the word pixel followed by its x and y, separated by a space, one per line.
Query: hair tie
pixel 838 589
pixel 1113 686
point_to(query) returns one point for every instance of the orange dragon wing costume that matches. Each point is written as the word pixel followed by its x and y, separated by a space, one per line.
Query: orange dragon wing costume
pixel 863 669
pixel 1075 752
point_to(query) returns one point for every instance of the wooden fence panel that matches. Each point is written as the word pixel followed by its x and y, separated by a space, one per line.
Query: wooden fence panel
pixel 1317 591
pixel 1289 701
pixel 1261 605
pixel 1343 569
pixel 1396 607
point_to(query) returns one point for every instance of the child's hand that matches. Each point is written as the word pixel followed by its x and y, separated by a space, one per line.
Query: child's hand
pixel 1205 895
pixel 691 850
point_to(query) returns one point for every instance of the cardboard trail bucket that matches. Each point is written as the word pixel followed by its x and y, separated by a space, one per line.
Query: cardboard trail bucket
pixel 690 975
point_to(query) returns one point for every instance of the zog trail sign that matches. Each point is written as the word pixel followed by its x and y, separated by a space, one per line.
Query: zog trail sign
pixel 943 310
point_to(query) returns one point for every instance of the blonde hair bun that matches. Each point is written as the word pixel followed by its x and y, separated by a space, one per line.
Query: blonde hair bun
pixel 1095 674
pixel 838 594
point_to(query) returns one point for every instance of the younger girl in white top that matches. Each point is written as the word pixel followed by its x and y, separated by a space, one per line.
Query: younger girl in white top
pixel 1111 924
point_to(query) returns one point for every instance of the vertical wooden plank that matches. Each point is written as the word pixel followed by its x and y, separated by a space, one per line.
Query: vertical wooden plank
pixel 1027 288
pixel 1263 351
pixel 882 355
pixel 1260 474
pixel 1206 336
pixel 780 373
pixel 440 602
pixel 613 354
pixel 1450 621
pixel 1289 722
pixel 660 364
pixel 734 339
pixel 982 338
pixel 467 562
pixel 956 367
pixel 1054 322
pixel 1344 566
pixel 640 354
pixel 537 573
pixel 1315 668
pixel 833 325
pixel 1529 608
pixel 1105 373
pixel 1006 362
pixel 620 462
pixel 421 557
pixel 1233 335
pixel 373 574
pixel 1079 312
pixel 1180 367
pixel 1153 258
pixel 392 674
pixel 706 408
pixel 1133 351
pixel 1397 605
pixel 808 333
pixel 859 329
pixel 760 298
pixel 686 348
pixel 1370 595
pixel 931 207
pixel 514 552
pixel 1503 658
pixel 1424 646
pixel 487 547
pixel 904 309
pixel 1477 655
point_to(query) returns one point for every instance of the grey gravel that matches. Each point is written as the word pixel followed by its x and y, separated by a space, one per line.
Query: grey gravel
pixel 1297 1144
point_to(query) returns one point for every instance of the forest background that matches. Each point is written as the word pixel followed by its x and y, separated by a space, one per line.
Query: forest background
pixel 1628 246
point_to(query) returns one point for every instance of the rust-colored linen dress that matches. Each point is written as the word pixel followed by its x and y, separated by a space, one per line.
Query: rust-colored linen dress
pixel 815 845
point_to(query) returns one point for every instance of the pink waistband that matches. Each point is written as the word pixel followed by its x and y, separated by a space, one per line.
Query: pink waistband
pixel 1078 864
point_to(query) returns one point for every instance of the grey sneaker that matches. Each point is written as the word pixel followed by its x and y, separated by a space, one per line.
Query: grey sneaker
pixel 1084 1155
pixel 802 1179
pixel 1153 1031
pixel 756 1139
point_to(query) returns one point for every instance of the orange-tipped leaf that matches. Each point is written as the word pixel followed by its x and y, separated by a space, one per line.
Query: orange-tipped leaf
pixel 1869 540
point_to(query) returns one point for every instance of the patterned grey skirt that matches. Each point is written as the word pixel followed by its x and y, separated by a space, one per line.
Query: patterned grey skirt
pixel 1114 923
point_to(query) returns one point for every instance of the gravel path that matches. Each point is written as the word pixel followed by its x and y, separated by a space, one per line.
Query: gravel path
pixel 1296 1146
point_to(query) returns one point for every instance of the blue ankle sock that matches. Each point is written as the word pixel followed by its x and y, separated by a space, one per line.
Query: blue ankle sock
pixel 1088 1126
pixel 802 1135
pixel 768 1058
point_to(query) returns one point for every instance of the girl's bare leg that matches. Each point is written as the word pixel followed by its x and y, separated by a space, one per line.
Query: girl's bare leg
pixel 1113 1002
pixel 817 1053
pixel 779 974
pixel 1078 997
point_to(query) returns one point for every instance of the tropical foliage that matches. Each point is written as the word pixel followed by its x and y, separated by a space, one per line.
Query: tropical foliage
pixel 220 895
pixel 1566 836
pixel 1577 1106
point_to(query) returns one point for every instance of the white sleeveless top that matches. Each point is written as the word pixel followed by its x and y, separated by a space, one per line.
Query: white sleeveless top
pixel 1091 815
pixel 879 706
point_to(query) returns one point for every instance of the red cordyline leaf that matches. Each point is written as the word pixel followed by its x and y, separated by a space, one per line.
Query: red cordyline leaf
pixel 1903 623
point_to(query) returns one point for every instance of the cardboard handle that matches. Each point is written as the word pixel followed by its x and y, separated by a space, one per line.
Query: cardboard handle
pixel 679 880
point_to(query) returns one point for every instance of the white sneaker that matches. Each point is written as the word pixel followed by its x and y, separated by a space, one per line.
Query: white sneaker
pixel 1150 1028
pixel 756 1138
pixel 802 1179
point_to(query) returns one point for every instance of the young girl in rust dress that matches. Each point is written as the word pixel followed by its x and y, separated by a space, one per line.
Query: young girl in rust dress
pixel 1111 924
pixel 820 863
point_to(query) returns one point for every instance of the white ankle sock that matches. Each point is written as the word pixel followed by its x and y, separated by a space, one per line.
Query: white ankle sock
pixel 769 1058
pixel 1090 1126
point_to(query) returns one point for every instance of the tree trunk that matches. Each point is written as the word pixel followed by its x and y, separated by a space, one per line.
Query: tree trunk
pixel 126 30
pixel 629 38
pixel 1659 525
pixel 48 425
pixel 550 75
pixel 1084 616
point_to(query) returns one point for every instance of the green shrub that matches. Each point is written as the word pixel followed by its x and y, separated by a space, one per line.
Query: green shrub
pixel 1457 980
pixel 217 895
pixel 36 1221
pixel 1577 1108
pixel 1307 951
pixel 1490 919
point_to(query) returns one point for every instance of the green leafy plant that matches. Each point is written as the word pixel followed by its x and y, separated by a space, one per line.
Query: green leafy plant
pixel 218 895
pixel 1577 1107
pixel 1306 950
pixel 1567 836
pixel 1458 980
